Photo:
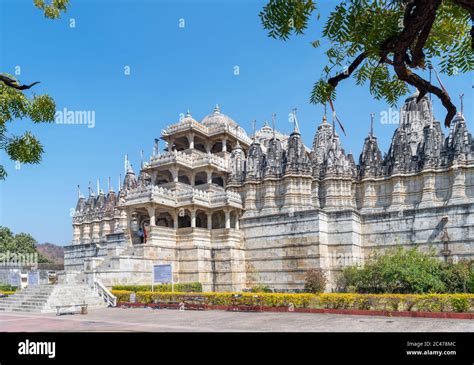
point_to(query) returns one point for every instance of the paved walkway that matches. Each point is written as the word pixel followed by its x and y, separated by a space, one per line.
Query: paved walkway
pixel 150 320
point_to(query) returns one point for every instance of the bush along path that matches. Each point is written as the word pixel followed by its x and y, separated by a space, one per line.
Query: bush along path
pixel 413 305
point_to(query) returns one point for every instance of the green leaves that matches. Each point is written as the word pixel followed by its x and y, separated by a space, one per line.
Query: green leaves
pixel 385 84
pixel 322 92
pixel 21 243
pixel 25 148
pixel 14 105
pixel 450 40
pixel 364 26
pixel 283 17
pixel 397 271
pixel 42 109
pixel 53 9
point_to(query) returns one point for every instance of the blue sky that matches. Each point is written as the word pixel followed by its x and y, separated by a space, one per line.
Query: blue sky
pixel 172 69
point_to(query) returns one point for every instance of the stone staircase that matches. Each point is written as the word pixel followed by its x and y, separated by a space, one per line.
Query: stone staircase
pixel 45 298
pixel 31 299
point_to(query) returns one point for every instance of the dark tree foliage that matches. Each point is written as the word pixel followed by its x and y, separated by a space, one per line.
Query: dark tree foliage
pixel 15 105
pixel 385 43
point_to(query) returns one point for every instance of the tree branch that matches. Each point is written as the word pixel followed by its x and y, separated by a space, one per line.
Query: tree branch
pixel 333 81
pixel 418 20
pixel 424 86
pixel 469 6
pixel 14 83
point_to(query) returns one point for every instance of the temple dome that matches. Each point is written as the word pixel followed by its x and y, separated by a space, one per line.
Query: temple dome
pixel 188 118
pixel 219 119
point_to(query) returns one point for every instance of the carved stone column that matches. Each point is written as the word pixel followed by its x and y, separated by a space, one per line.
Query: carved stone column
pixel 191 140
pixel 227 218
pixel 458 194
pixel 193 218
pixel 397 193
pixel 151 213
pixel 428 196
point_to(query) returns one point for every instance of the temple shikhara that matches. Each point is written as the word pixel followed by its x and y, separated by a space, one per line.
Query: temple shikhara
pixel 232 211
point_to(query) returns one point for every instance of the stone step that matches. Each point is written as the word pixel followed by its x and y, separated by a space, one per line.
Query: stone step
pixel 31 304
pixel 17 301
pixel 46 298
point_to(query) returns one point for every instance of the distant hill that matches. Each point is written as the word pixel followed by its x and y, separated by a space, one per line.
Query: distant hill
pixel 52 252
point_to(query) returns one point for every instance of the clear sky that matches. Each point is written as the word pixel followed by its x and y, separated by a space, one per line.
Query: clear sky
pixel 172 69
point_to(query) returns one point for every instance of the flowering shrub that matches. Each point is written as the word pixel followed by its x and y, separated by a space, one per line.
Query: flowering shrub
pixel 7 292
pixel 388 302
pixel 400 270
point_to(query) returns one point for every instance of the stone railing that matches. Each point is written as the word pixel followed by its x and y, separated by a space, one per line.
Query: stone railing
pixel 187 124
pixel 192 160
pixel 151 192
pixel 225 197
pixel 184 125
pixel 183 196
pixel 221 128
pixel 105 294
pixel 94 216
pixel 192 196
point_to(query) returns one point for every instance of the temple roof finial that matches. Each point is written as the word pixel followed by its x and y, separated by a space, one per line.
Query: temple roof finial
pixel 333 123
pixel 254 124
pixel 128 165
pixel 273 125
pixel 188 114
pixel 461 97
pixel 91 192
pixel 372 118
pixel 295 121
pixel 99 191
pixel 109 185
pixel 217 109
pixel 79 194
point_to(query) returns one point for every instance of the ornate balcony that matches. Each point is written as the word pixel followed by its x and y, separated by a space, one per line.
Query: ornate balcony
pixel 189 124
pixel 182 198
pixel 191 160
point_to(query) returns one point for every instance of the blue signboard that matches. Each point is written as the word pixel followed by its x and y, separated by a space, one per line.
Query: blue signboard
pixel 15 279
pixel 33 278
pixel 163 274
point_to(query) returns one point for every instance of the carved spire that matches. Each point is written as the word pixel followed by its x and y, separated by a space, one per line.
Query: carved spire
pixel 296 128
pixel 81 203
pixel 255 158
pixel 372 117
pixel 156 147
pixel 275 157
pixel 273 125
pixel 297 160
pixel 370 159
pixel 408 139
pixel 79 194
pixel 237 161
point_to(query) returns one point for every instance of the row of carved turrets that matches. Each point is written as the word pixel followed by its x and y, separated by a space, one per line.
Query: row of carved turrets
pixel 417 144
